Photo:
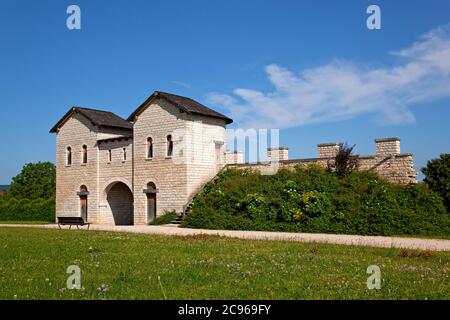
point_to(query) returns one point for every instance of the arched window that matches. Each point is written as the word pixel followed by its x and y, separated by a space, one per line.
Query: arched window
pixel 124 154
pixel 109 155
pixel 69 156
pixel 149 148
pixel 84 154
pixel 169 146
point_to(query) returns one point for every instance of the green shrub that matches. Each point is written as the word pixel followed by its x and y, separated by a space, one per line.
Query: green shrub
pixel 12 209
pixel 35 181
pixel 312 199
pixel 166 218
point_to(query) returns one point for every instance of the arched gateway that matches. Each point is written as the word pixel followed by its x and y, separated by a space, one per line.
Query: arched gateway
pixel 120 203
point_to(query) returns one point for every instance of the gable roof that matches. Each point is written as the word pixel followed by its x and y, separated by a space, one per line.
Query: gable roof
pixel 99 118
pixel 188 105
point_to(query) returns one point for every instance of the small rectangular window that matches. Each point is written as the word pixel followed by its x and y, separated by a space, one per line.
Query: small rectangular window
pixel 84 155
pixel 69 156
pixel 124 154
pixel 109 155
pixel 149 148
pixel 169 146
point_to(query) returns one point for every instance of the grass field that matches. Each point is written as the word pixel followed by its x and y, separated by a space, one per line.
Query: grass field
pixel 33 264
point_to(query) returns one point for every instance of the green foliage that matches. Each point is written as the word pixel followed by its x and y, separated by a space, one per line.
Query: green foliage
pixel 315 203
pixel 437 177
pixel 31 196
pixel 166 218
pixel 36 180
pixel 12 209
pixel 313 199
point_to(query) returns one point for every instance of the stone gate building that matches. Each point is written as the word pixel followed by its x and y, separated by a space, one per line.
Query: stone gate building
pixel 116 171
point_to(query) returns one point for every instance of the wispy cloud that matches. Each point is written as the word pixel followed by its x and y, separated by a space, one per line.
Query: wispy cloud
pixel 180 83
pixel 342 90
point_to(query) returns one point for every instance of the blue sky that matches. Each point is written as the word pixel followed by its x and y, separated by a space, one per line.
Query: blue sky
pixel 311 68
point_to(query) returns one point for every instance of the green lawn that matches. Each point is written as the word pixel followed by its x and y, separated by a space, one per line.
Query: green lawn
pixel 33 265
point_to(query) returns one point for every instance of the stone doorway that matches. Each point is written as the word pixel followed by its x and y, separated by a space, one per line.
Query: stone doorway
pixel 83 194
pixel 151 192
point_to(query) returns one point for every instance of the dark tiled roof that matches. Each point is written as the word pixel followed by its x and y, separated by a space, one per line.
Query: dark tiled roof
pixel 117 138
pixel 4 187
pixel 186 104
pixel 97 117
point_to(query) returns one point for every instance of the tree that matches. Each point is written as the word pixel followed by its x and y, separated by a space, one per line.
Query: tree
pixel 344 162
pixel 437 177
pixel 36 180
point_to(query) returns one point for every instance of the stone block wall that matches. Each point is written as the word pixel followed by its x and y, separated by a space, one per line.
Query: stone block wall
pixel 205 150
pixel 70 178
pixel 388 162
pixel 169 174
pixel 97 174
pixel 112 172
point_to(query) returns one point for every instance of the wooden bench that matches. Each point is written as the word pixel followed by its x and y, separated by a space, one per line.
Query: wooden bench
pixel 72 221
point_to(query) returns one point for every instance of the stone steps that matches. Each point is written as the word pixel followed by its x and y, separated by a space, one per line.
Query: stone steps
pixel 178 220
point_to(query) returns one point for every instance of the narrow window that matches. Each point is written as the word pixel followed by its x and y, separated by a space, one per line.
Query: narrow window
pixel 84 156
pixel 149 148
pixel 169 146
pixel 124 152
pixel 69 156
pixel 109 155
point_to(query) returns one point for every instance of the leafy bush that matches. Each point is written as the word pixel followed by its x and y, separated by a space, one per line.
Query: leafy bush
pixel 437 177
pixel 166 218
pixel 313 199
pixel 12 209
pixel 36 180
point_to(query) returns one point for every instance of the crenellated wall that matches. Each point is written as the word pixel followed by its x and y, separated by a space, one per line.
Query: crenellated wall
pixel 387 162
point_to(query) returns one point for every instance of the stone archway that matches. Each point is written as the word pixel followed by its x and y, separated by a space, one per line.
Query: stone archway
pixel 120 201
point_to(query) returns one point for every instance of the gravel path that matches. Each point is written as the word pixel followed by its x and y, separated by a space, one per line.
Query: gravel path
pixel 372 241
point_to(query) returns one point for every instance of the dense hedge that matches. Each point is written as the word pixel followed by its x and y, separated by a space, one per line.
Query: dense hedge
pixel 315 200
pixel 12 209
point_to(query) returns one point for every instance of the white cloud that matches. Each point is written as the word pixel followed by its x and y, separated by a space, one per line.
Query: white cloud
pixel 180 83
pixel 343 90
